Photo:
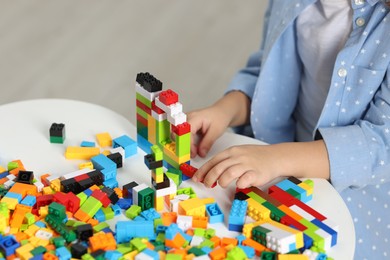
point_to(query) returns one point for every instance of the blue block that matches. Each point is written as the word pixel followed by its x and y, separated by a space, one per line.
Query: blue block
pixel 287 184
pixel 171 231
pixel 238 212
pixel 150 214
pixel 107 230
pixel 87 144
pixel 4 174
pixel 124 203
pixel 161 229
pixel 144 144
pixel 139 218
pixel 128 144
pixel 14 195
pixel 100 216
pixel 29 200
pixel 307 242
pixel 117 210
pixel 234 227
pixel 101 162
pixel 40 224
pixel 111 183
pixel 249 251
pixel 63 253
pixel 240 238
pixel 8 245
pixel 126 230
pixel 108 174
pixel 206 249
pixel 153 254
pixel 112 255
pixel 321 256
pixel 327 229
pixel 35 257
pixel 87 192
pixel 214 213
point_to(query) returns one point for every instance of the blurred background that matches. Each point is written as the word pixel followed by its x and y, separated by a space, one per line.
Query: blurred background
pixel 91 50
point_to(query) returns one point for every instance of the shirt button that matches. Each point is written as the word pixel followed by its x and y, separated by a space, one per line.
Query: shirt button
pixel 359 2
pixel 342 73
pixel 360 21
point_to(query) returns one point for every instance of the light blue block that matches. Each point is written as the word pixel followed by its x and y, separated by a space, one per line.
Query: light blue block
pixel 102 162
pixel 63 253
pixel 87 144
pixel 111 183
pixel 112 255
pixel 29 200
pixel 128 144
pixel 214 213
pixel 14 195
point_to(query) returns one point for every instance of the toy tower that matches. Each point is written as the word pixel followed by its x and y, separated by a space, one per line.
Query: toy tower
pixel 162 132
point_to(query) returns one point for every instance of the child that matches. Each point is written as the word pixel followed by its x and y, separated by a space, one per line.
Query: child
pixel 318 91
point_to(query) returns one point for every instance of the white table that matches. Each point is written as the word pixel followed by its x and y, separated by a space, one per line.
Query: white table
pixel 25 136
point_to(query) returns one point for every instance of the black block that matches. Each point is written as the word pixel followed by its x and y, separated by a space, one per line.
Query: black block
pixel 241 196
pixel 127 189
pixel 57 130
pixel 116 158
pixel 84 232
pixel 111 194
pixel 25 177
pixel 78 250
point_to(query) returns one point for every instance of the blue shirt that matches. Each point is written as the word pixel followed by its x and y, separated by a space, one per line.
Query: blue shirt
pixel 355 120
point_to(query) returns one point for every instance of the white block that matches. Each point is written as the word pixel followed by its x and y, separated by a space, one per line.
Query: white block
pixel 42 234
pixel 184 222
pixel 72 174
pixel 8 184
pixel 196 240
pixel 146 94
pixel 177 119
pixel 327 238
pixel 39 185
pixel 182 197
pixel 174 207
pixel 301 212
pixel 159 117
pixel 136 190
pixel 11 177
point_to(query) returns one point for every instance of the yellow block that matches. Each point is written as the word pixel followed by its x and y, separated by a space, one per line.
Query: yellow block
pixel 257 211
pixel 192 207
pixel 87 165
pixel 77 152
pixel 151 129
pixel 2 169
pixel 31 230
pixel 293 257
pixel 104 139
pixel 306 187
pixel 208 200
pixel 55 185
pixel 11 202
pixel 298 234
pixel 47 190
pixel 131 255
pixel 159 203
pixel 23 252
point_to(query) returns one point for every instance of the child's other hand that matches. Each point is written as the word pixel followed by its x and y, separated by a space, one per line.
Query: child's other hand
pixel 251 165
pixel 207 125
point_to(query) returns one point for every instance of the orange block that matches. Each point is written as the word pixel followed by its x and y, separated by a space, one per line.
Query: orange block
pixel 190 232
pixel 105 241
pixel 24 189
pixel 228 241
pixel 118 192
pixel 181 252
pixel 218 254
pixel 290 212
pixel 81 215
pixel 216 240
pixel 199 222
pixel 168 218
pixel 177 242
pixel 93 221
pixel 48 256
pixel 257 246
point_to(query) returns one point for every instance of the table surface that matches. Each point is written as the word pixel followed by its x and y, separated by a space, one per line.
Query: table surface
pixel 25 136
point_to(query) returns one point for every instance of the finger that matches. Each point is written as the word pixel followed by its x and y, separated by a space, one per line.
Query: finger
pixel 231 173
pixel 217 171
pixel 202 171
pixel 206 142
pixel 246 180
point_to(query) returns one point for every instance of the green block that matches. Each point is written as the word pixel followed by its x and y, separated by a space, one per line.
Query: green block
pixel 309 182
pixel 57 139
pixel 123 248
pixel 146 198
pixel 12 165
pixel 171 162
pixel 133 211
pixel 200 232
pixel 30 218
pixel 23 227
pixel 83 197
pixel 276 214
pixel 259 234
pixel 175 175
pixel 236 253
pixel 210 232
pixel 160 238
pixel 142 113
pixel 188 191
pixel 57 211
pixel 157 152
pixel 294 193
pixel 24 241
pixel 157 222
pixel 268 255
pixel 136 243
pixel 196 251
pixel 100 226
pixel 144 100
pixel 183 144
pixel 173 257
pixel 158 246
pixel 87 257
pixel 91 206
pixel 38 250
pixel 207 243
pixel 256 197
pixel 163 131
pixel 108 213
pixel 58 241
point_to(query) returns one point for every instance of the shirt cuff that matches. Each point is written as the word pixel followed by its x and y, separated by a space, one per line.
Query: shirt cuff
pixel 349 156
pixel 244 81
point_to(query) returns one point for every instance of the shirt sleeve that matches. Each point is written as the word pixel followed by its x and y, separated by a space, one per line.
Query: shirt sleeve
pixel 359 154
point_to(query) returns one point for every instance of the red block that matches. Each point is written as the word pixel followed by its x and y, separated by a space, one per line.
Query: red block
pixel 181 129
pixel 187 170
pixel 168 97
pixel 102 197
pixel 81 177
pixel 144 107
pixel 157 109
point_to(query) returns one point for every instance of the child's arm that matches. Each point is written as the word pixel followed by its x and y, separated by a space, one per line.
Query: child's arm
pixel 255 165
pixel 210 123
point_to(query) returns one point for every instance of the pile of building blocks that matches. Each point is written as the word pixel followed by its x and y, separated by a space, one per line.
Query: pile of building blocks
pixel 65 217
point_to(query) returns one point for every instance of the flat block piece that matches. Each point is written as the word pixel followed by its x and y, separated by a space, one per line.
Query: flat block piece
pixel 149 82
pixel 85 153
pixel 87 144
pixel 104 139
pixel 128 144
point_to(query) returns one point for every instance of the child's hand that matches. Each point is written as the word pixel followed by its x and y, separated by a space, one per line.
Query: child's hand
pixel 207 125
pixel 251 165
pixel 255 165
